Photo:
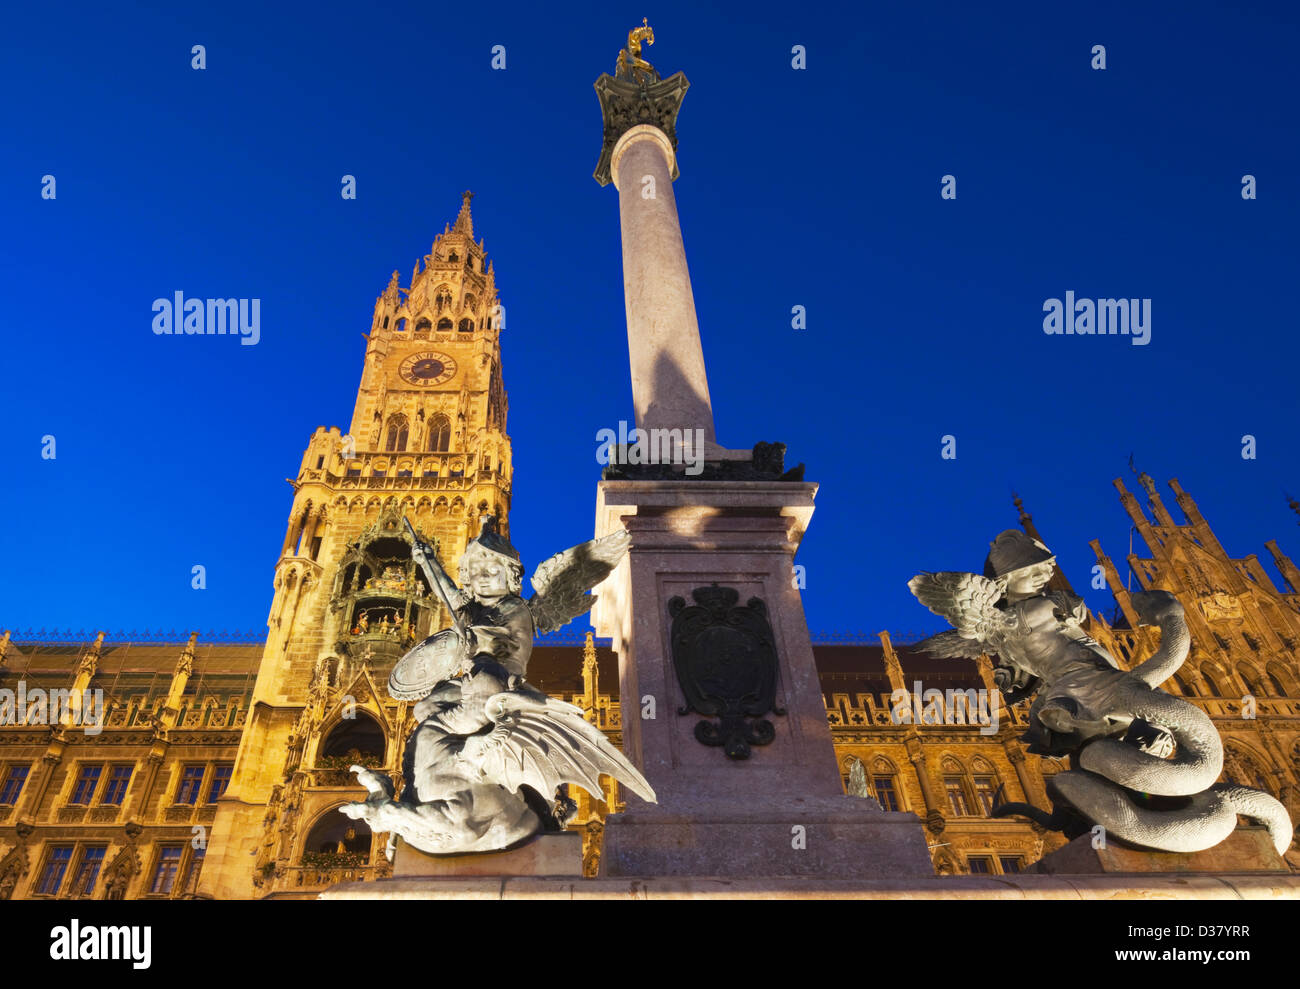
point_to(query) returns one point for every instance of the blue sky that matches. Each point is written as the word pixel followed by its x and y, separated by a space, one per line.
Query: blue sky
pixel 818 188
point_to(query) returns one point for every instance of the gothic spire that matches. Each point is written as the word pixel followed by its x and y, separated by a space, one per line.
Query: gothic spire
pixel 1059 581
pixel 1026 520
pixel 464 222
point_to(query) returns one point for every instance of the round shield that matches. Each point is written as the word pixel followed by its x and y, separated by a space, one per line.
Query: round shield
pixel 435 659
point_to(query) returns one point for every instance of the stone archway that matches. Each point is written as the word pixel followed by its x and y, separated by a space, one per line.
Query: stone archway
pixel 337 840
pixel 361 739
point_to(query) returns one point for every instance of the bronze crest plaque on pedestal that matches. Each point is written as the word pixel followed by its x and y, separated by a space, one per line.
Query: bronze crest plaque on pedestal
pixel 726 663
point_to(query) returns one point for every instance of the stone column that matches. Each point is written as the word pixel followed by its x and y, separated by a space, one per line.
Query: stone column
pixel 757 795
pixel 180 679
pixel 670 389
pixel 33 793
pixel 1034 794
pixel 309 531
pixel 293 532
pixel 916 756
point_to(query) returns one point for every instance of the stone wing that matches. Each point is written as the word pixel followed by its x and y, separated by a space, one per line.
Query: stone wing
pixel 950 645
pixel 543 742
pixel 969 602
pixel 562 582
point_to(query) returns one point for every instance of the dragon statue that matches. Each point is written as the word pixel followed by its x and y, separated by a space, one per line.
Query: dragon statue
pixel 1143 762
pixel 489 750
pixel 631 65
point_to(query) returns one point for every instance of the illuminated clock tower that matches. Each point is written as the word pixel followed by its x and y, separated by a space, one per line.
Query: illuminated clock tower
pixel 427 441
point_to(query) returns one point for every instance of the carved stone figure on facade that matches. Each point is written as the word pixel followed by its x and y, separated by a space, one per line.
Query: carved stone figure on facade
pixel 116 887
pixel 857 785
pixel 1143 762
pixel 489 750
pixel 12 868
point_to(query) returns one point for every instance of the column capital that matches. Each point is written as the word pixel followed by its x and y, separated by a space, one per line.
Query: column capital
pixel 642 132
pixel 627 106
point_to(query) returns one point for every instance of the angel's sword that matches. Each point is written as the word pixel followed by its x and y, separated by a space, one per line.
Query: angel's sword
pixel 429 554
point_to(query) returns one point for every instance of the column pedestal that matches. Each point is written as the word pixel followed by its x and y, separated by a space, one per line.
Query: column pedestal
pixel 545 855
pixel 782 811
pixel 1248 849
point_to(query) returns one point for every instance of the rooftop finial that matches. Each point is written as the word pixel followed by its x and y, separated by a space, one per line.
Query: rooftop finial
pixel 1025 517
pixel 1143 477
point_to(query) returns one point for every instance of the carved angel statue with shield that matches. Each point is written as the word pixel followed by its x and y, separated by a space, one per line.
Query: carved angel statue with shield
pixel 489 751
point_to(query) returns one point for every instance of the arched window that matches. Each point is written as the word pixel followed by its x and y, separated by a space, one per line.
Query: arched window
pixel 985 780
pixel 453 256
pixel 1211 682
pixel 467 325
pixel 954 782
pixel 444 325
pixel 439 434
pixel 1275 678
pixel 1251 679
pixel 337 839
pixel 1239 766
pixel 401 325
pixel 397 433
pixel 1183 687
pixel 884 784
pixel 423 326
pixel 359 738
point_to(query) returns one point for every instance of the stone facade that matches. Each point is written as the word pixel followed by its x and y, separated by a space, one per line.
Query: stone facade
pixel 427 441
pixel 220 766
pixel 126 811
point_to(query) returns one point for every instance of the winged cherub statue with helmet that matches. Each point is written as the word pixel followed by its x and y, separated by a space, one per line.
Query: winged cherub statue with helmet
pixel 489 750
pixel 1143 762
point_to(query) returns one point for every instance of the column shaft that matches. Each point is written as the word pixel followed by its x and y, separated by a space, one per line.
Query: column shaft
pixel 669 387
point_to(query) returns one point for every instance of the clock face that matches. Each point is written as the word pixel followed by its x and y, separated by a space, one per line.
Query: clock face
pixel 428 368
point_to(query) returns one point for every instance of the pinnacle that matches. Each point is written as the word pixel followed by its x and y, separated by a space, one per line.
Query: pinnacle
pixel 464 222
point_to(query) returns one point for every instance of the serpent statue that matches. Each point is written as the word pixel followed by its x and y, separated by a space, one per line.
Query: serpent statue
pixel 1143 762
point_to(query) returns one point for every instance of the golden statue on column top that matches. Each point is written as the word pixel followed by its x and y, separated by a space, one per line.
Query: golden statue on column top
pixel 631 65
